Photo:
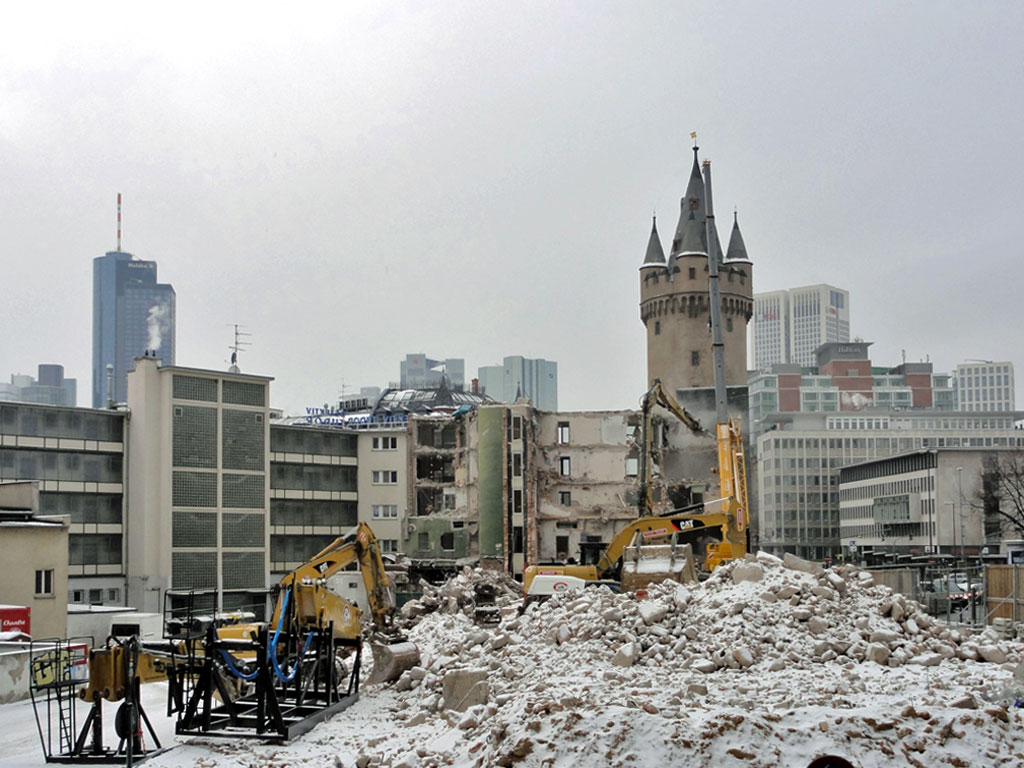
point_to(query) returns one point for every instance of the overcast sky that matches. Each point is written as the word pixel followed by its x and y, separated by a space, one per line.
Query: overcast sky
pixel 477 179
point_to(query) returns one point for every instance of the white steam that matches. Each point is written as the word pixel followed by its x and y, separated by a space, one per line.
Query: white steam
pixel 158 323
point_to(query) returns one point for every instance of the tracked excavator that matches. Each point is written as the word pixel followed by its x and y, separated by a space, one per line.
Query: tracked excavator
pixel 226 678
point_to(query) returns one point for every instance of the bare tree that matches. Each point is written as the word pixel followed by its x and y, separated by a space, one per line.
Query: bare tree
pixel 1001 495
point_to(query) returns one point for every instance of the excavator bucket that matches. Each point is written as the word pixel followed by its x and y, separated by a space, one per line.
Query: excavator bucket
pixel 655 563
pixel 391 660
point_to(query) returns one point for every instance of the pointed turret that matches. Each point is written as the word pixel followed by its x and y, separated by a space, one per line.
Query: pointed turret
pixel 692 203
pixel 737 249
pixel 655 254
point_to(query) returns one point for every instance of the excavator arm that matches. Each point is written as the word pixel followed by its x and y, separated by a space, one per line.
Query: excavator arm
pixel 316 606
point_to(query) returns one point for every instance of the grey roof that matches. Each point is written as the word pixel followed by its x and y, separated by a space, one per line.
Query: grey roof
pixel 692 203
pixel 737 249
pixel 655 253
pixel 692 241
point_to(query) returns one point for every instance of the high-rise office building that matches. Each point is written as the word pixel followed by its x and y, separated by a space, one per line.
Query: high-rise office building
pixel 51 388
pixel 419 371
pixel 536 379
pixel 789 325
pixel 132 315
pixel 984 385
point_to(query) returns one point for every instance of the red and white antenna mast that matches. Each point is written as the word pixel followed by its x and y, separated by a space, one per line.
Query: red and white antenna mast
pixel 118 222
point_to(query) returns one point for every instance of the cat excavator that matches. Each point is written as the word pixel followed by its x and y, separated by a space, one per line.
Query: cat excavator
pixel 227 678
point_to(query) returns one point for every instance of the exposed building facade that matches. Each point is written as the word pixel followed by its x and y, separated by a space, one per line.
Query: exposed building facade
pixel 132 315
pixel 790 325
pixel 50 388
pixel 984 386
pixel 534 379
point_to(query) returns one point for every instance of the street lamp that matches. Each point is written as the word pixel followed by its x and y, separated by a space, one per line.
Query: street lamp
pixel 952 517
pixel 960 509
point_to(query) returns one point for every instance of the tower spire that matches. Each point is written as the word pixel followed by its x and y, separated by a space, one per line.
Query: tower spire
pixel 737 248
pixel 655 253
pixel 118 222
pixel 692 203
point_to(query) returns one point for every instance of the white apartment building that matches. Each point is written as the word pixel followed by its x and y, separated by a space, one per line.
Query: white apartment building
pixel 984 386
pixel 798 465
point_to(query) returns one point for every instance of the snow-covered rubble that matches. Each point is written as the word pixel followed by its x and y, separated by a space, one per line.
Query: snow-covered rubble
pixel 766 663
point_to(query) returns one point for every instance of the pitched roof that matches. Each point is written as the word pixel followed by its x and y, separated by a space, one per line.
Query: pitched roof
pixel 655 253
pixel 737 248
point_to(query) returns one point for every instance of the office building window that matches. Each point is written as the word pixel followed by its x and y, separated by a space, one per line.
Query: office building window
pixel 384 477
pixel 385 443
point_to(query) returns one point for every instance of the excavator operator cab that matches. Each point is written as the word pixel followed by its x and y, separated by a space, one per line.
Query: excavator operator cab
pixel 591 551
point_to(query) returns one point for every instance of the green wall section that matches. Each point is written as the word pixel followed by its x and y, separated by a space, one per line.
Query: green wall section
pixel 491 435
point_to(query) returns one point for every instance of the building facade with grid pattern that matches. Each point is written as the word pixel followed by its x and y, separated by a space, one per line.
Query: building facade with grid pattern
pixel 199 486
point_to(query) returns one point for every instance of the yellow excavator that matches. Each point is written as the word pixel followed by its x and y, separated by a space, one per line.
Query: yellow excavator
pixel 225 678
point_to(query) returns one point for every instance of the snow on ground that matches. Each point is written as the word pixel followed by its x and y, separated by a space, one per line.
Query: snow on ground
pixel 764 664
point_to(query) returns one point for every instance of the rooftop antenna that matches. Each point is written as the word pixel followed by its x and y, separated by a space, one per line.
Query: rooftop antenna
pixel 237 347
pixel 118 222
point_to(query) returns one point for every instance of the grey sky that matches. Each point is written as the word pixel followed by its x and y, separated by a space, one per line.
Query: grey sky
pixel 476 180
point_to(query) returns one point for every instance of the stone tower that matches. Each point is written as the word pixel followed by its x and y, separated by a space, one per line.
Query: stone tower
pixel 674 298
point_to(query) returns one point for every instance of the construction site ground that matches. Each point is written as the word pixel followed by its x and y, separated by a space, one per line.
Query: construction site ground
pixel 767 663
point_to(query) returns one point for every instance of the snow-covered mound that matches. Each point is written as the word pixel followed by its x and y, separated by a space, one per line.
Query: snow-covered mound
pixel 768 663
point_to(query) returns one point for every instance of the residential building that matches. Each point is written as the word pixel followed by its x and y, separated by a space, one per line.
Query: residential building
pixel 534 379
pixel 34 551
pixel 928 503
pixel 983 385
pixel 50 388
pixel 132 316
pixel 199 486
pixel 77 456
pixel 800 456
pixel 844 379
pixel 418 371
pixel 789 325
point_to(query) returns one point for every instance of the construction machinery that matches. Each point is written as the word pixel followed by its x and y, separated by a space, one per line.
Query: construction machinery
pixel 304 665
pixel 606 564
pixel 225 675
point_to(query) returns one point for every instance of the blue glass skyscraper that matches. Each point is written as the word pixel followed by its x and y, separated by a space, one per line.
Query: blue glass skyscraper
pixel 132 315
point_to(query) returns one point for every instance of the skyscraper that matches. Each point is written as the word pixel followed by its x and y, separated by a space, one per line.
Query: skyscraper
pixel 536 379
pixel 132 314
pixel 789 325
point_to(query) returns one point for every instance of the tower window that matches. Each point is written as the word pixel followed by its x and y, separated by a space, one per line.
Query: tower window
pixel 657 327
pixel 693 273
pixel 728 323
pixel 695 357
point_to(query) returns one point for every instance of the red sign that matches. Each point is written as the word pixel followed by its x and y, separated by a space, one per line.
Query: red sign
pixel 15 618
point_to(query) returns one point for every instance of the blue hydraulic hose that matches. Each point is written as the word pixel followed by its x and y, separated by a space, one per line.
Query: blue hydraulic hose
pixel 235 670
pixel 273 645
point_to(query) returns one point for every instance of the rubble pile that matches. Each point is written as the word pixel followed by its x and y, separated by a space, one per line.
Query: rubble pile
pixel 464 594
pixel 769 662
